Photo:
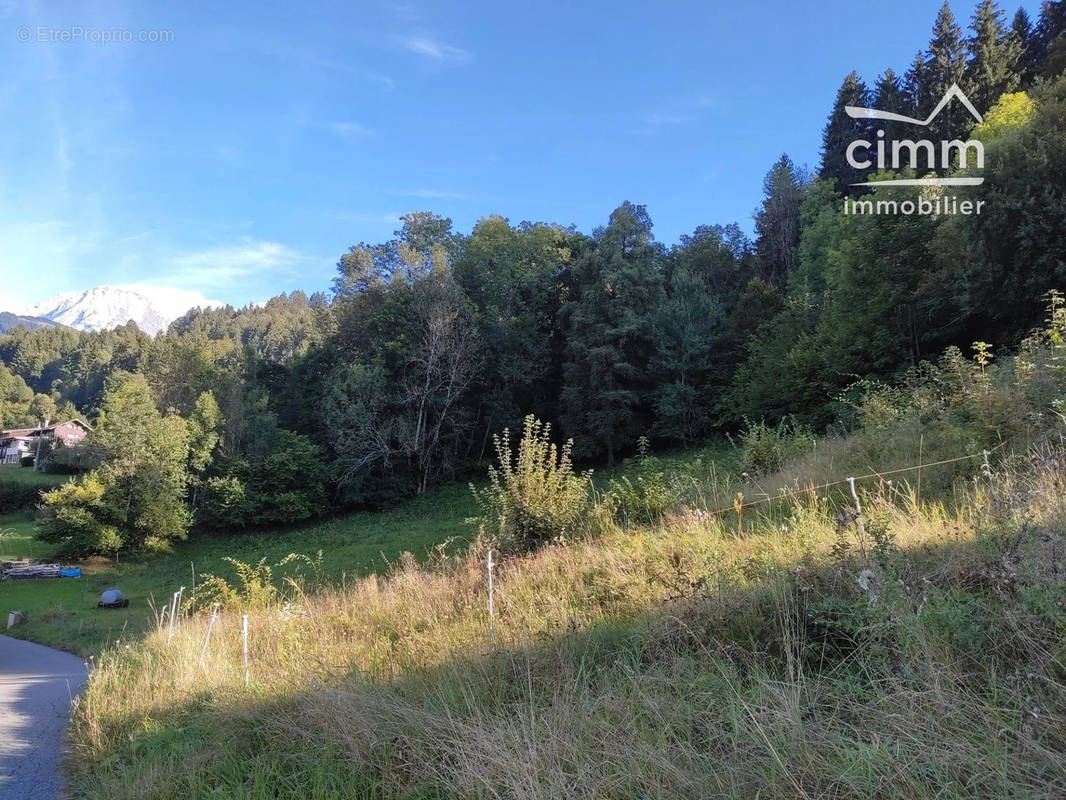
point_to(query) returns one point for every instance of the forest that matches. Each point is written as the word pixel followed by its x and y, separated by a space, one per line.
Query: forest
pixel 431 342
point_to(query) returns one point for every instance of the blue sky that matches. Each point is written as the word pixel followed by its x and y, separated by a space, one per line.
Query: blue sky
pixel 244 156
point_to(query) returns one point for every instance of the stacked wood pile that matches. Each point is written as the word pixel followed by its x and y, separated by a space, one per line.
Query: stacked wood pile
pixel 25 571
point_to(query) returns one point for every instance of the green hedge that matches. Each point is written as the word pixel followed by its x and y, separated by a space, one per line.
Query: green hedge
pixel 18 496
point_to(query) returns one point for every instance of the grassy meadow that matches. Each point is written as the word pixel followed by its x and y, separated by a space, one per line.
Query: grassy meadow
pixel 14 473
pixel 62 612
pixel 799 656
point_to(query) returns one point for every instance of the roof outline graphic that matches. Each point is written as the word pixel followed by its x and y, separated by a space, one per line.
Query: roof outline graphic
pixel 857 112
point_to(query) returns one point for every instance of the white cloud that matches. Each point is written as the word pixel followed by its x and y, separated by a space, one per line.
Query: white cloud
pixel 219 267
pixel 428 46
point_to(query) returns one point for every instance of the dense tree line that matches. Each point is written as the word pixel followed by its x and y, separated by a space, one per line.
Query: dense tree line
pixel 432 341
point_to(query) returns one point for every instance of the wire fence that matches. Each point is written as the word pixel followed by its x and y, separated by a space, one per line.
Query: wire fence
pixel 784 491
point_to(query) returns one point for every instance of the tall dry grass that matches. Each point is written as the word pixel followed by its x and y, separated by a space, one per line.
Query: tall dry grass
pixel 924 657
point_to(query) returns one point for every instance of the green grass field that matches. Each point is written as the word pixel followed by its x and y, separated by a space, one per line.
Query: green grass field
pixel 13 473
pixel 62 612
pixel 683 658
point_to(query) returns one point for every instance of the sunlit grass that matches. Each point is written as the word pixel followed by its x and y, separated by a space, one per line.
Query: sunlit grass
pixel 794 658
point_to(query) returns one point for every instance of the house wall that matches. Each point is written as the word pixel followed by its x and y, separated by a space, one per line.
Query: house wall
pixel 66 433
pixel 11 452
pixel 69 433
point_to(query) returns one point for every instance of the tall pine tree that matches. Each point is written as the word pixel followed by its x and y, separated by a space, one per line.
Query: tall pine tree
pixel 1021 31
pixel 841 130
pixel 607 319
pixel 889 95
pixel 1050 43
pixel 994 53
pixel 945 65
pixel 777 222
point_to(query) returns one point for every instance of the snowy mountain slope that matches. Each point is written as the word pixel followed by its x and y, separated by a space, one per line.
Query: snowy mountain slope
pixel 152 308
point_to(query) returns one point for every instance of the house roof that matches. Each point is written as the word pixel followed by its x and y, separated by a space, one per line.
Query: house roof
pixel 21 433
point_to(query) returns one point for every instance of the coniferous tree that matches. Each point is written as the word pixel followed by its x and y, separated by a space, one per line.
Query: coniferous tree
pixel 945 65
pixel 841 130
pixel 1021 31
pixel 889 95
pixel 616 288
pixel 913 80
pixel 1049 39
pixel 777 222
pixel 994 53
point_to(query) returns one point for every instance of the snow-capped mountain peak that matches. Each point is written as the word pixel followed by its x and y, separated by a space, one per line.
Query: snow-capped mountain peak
pixel 152 308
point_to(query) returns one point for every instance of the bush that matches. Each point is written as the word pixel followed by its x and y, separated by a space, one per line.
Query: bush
pixel 17 496
pixel 765 449
pixel 534 498
pixel 644 498
pixel 255 585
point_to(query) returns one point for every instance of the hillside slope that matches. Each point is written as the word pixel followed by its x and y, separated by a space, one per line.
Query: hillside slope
pixel 923 656
pixel 881 614
pixel 9 321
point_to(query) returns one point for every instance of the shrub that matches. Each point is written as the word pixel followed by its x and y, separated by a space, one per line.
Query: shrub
pixel 534 497
pixel 643 498
pixel 765 449
pixel 255 586
pixel 16 496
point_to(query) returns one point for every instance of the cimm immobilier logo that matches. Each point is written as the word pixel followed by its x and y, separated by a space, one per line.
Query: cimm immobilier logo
pixel 896 154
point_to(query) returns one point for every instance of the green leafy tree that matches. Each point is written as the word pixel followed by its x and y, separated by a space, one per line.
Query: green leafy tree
pixel 138 493
pixel 418 331
pixel 15 399
pixel 285 484
pixel 1000 263
pixel 75 517
pixel 512 276
pixel 43 411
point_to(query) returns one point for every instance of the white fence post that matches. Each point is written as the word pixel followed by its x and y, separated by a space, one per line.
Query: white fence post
pixel 174 612
pixel 244 635
pixel 492 609
pixel 858 517
pixel 207 638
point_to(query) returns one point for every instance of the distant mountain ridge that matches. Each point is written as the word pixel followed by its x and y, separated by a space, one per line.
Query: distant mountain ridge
pixel 151 308
pixel 9 321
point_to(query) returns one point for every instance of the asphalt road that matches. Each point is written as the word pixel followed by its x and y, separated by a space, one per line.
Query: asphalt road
pixel 36 686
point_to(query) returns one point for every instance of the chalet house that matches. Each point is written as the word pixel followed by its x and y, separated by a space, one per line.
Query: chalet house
pixel 15 444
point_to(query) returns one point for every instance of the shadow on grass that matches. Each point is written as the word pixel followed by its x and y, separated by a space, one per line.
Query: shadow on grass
pixel 799 682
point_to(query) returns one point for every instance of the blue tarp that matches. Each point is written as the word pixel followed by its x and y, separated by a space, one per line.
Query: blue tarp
pixel 70 572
